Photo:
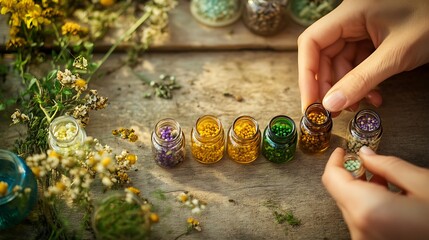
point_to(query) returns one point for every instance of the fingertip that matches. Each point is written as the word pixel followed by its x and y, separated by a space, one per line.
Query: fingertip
pixel 334 101
pixel 365 150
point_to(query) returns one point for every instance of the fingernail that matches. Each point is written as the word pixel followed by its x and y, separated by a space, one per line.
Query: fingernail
pixel 366 150
pixel 335 101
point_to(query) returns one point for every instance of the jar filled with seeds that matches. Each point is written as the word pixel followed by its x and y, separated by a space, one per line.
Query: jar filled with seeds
pixel 364 130
pixel 244 140
pixel 279 141
pixel 265 17
pixel 168 143
pixel 65 134
pixel 306 12
pixel 353 164
pixel 216 13
pixel 316 126
pixel 207 140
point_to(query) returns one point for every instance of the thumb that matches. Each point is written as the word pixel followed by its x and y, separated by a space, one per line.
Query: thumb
pixel 405 175
pixel 357 83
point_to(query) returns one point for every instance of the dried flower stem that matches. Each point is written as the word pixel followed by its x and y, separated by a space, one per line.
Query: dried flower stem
pixel 131 30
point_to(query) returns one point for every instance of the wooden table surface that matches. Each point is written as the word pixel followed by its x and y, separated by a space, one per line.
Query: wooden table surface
pixel 241 198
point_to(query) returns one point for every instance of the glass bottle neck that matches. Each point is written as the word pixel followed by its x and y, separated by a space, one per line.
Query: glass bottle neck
pixel 281 129
pixel 316 117
pixel 245 129
pixel 208 129
pixel 65 131
pixel 167 132
pixel 367 123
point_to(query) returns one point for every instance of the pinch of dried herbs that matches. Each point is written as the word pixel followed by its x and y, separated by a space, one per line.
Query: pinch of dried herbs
pixel 287 217
pixel 126 133
pixel 162 88
pixel 196 205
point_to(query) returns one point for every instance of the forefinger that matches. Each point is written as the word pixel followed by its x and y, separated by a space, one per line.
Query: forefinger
pixel 320 35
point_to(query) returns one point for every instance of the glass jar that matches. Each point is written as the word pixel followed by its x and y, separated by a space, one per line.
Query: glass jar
pixel 306 12
pixel 353 164
pixel 265 17
pixel 316 126
pixel 18 189
pixel 279 141
pixel 244 140
pixel 208 140
pixel 114 215
pixel 168 143
pixel 364 130
pixel 65 134
pixel 216 13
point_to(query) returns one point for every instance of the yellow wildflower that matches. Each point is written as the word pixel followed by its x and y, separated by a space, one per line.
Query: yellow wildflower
pixel 134 190
pixel 36 171
pixel 52 13
pixel 45 3
pixel 53 154
pixel 106 161
pixel 183 198
pixel 107 3
pixel 154 217
pixel 3 188
pixel 80 84
pixel 123 177
pixel 16 43
pixel 15 20
pixel 7 6
pixel 132 158
pixel 34 17
pixel 60 186
pixel 194 224
pixel 13 31
pixel 72 28
pixel 91 161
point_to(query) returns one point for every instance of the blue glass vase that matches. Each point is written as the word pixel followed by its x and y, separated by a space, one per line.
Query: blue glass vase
pixel 18 193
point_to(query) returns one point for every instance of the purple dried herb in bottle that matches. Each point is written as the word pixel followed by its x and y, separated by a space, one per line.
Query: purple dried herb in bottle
pixel 168 143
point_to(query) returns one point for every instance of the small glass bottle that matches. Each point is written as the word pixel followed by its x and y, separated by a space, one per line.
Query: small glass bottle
pixel 208 140
pixel 216 13
pixel 279 141
pixel 18 189
pixel 316 126
pixel 168 143
pixel 364 130
pixel 265 17
pixel 244 140
pixel 353 164
pixel 65 134
pixel 306 12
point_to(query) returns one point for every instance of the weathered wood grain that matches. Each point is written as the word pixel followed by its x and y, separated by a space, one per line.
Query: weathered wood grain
pixel 239 196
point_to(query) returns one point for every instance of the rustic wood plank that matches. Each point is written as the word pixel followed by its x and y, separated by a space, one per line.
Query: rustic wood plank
pixel 239 196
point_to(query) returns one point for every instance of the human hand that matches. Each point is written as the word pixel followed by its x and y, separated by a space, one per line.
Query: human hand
pixel 370 209
pixel 347 53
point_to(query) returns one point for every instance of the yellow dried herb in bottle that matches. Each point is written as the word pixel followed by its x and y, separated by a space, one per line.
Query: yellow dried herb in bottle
pixel 207 140
pixel 316 126
pixel 244 140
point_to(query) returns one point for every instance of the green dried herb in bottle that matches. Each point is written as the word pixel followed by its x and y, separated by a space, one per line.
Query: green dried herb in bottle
pixel 279 141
